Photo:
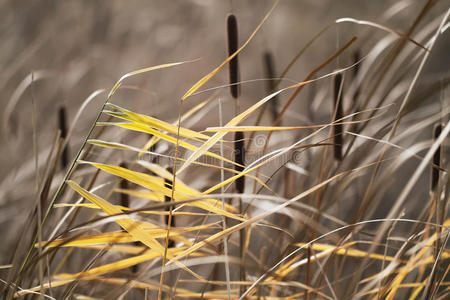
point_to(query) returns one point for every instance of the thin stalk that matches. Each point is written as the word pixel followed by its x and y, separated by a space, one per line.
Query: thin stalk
pixel 224 220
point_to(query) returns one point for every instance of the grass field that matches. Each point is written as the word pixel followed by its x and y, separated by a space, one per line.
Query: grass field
pixel 225 149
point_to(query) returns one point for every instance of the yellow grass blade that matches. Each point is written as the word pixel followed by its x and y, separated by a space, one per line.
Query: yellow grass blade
pixel 417 285
pixel 155 123
pixel 123 208
pixel 140 71
pixel 255 219
pixel 327 250
pixel 273 128
pixel 147 129
pixel 345 250
pixel 119 146
pixel 418 288
pixel 153 140
pixel 181 292
pixel 150 196
pixel 136 229
pixel 167 175
pixel 126 223
pixel 233 122
pixel 116 266
pixel 182 192
pixel 121 237
pixel 412 264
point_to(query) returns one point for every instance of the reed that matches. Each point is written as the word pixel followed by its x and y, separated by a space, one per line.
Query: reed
pixel 338 114
pixel 62 123
pixel 232 37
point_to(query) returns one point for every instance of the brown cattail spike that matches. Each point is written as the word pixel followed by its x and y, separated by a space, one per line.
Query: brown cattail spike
pixel 232 32
pixel 169 221
pixel 270 74
pixel 239 158
pixel 339 114
pixel 62 120
pixel 436 159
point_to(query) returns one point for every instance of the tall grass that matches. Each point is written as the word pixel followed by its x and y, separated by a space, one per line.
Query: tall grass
pixel 248 187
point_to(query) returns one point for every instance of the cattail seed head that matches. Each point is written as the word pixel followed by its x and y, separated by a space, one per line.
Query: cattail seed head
pixel 232 35
pixel 239 157
pixel 270 74
pixel 62 121
pixel 436 159
pixel 338 140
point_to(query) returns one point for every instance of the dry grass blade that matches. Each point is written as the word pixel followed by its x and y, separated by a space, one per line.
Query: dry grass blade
pixel 373 24
pixel 140 71
pixel 158 185
pixel 126 223
pixel 233 122
pixel 155 123
pixel 147 129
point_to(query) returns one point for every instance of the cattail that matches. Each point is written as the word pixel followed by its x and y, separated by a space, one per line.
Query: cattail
pixel 436 159
pixel 339 114
pixel 63 129
pixel 170 221
pixel 232 32
pixel 239 158
pixel 270 74
pixel 124 198
pixel 239 144
pixel 239 154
